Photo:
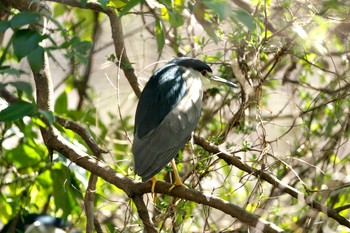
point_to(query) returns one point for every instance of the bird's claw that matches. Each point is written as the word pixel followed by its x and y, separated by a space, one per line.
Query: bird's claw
pixel 177 184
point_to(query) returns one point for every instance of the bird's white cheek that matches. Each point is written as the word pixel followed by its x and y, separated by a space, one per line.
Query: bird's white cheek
pixel 206 83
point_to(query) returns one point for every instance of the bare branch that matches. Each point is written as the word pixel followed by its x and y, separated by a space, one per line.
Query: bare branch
pixel 89 203
pixel 83 133
pixel 117 36
pixel 228 158
pixel 143 213
pixel 217 203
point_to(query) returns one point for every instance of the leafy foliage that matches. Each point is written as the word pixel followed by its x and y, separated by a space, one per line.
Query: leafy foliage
pixel 289 119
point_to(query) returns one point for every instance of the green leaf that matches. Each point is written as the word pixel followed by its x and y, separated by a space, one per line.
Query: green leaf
pixel 83 47
pixel 23 156
pixel 5 52
pixel 103 3
pixel 58 10
pixel 83 2
pixel 61 183
pixel 129 5
pixel 36 58
pixel 24 42
pixel 47 115
pixel 45 180
pixel 17 110
pixel 22 86
pixel 61 105
pixel 11 71
pixel 221 8
pixel 175 19
pixel 111 57
pixel 24 18
pixel 4 25
pixel 79 49
pixel 63 191
pixel 160 35
pixel 245 18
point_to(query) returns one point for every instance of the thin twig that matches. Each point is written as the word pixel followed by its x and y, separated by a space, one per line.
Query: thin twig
pixel 83 133
pixel 228 158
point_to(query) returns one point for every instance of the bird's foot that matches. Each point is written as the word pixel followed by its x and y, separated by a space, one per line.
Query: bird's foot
pixel 154 181
pixel 177 183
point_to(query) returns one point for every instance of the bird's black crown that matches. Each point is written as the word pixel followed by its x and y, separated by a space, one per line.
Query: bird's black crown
pixel 193 63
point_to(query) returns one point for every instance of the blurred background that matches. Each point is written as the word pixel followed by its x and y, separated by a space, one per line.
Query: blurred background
pixel 289 118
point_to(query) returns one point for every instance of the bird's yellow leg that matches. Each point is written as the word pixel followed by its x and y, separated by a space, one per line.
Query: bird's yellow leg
pixel 154 181
pixel 178 181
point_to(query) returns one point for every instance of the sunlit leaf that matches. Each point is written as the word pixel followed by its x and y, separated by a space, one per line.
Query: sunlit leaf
pixel 17 111
pixel 61 188
pixel 23 156
pixel 159 35
pixel 117 3
pixel 103 3
pixel 45 180
pixel 175 19
pixel 129 5
pixel 58 10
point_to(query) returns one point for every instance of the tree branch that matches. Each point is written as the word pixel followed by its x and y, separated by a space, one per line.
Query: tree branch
pixel 232 160
pixel 143 213
pixel 83 133
pixel 89 203
pixel 117 36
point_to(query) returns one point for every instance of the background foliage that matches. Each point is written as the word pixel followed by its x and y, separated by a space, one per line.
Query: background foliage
pixel 289 119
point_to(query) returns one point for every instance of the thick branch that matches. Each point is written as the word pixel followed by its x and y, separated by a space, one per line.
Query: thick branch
pixel 217 203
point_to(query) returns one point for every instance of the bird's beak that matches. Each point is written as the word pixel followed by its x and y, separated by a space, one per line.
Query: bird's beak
pixel 218 80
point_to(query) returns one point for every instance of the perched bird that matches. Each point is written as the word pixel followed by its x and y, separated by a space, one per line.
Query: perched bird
pixel 37 223
pixel 167 113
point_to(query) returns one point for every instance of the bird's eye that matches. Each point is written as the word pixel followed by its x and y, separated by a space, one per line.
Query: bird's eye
pixel 204 72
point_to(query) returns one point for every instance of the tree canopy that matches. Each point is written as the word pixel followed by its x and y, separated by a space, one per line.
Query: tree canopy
pixel 271 156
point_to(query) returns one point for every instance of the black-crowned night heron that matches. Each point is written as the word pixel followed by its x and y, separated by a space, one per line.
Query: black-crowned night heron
pixel 167 113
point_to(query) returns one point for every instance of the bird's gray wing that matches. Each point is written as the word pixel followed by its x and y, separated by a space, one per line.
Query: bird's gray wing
pixel 161 94
pixel 156 149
